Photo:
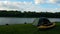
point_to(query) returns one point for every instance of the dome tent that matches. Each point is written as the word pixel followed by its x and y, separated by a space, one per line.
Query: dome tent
pixel 43 22
pixel 40 21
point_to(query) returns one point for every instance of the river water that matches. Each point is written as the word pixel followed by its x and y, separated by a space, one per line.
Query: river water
pixel 6 20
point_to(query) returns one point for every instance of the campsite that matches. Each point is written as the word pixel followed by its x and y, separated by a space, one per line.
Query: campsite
pixel 17 24
pixel 29 16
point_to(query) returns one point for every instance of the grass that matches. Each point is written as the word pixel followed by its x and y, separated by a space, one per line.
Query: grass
pixel 27 29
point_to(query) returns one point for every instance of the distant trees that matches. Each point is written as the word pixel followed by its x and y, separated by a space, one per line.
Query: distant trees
pixel 29 14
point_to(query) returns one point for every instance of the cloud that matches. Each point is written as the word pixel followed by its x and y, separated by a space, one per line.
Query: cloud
pixel 47 1
pixel 52 9
pixel 25 6
pixel 55 1
pixel 39 1
pixel 7 5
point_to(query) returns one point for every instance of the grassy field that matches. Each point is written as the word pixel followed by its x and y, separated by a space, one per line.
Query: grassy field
pixel 27 29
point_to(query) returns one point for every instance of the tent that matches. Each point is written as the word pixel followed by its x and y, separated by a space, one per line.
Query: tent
pixel 40 21
pixel 43 22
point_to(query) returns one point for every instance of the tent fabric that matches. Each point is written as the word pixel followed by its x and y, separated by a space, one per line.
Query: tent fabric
pixel 41 21
pixel 35 22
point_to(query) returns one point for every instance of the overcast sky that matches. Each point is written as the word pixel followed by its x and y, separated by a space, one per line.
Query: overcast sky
pixel 31 5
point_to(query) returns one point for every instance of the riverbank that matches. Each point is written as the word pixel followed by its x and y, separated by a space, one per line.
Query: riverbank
pixel 27 29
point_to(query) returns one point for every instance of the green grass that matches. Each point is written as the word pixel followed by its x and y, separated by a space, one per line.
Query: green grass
pixel 27 29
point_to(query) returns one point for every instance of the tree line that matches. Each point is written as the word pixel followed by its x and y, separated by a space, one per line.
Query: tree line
pixel 29 14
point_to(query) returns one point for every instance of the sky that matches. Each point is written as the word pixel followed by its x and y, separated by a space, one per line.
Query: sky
pixel 31 5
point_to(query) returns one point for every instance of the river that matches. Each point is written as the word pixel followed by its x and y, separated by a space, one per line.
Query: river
pixel 7 20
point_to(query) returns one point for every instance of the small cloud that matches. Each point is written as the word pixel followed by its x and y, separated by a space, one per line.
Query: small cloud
pixel 47 1
pixel 39 1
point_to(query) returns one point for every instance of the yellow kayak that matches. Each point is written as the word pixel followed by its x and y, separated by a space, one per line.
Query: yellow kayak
pixel 44 27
